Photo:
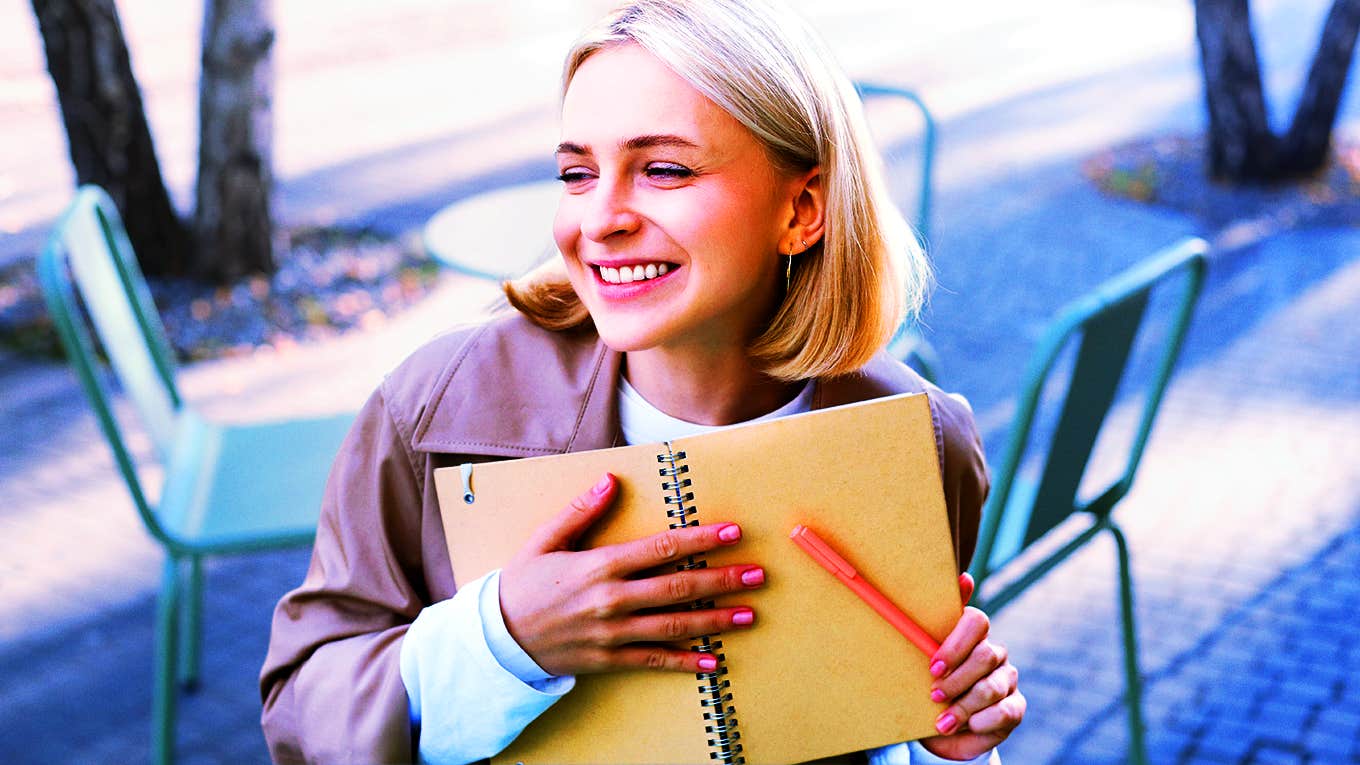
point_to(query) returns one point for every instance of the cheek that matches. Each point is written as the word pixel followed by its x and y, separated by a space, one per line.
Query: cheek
pixel 565 227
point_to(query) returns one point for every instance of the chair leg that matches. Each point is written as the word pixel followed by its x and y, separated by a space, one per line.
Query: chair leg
pixel 167 641
pixel 1132 677
pixel 191 627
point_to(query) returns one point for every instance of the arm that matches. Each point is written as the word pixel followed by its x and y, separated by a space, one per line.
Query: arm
pixel 472 689
pixel 972 672
pixel 331 683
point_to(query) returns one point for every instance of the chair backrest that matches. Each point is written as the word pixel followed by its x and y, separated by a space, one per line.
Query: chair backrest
pixel 1101 328
pixel 869 90
pixel 908 345
pixel 90 278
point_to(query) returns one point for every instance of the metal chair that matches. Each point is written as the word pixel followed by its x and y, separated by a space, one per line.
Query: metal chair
pixel 228 489
pixel 908 345
pixel 1101 328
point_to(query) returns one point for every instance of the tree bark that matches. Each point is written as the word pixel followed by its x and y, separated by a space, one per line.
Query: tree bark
pixel 1241 145
pixel 1306 145
pixel 232 221
pixel 106 128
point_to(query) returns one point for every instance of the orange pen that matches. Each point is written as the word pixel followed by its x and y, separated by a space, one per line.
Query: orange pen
pixel 830 560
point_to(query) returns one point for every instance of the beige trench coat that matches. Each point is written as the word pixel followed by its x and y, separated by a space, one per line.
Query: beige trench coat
pixel 331 686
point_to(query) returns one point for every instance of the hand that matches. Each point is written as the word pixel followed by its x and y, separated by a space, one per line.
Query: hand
pixel 577 612
pixel 977 676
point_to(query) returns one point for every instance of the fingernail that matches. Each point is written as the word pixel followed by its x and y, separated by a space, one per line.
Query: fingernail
pixel 603 485
pixel 708 663
pixel 753 576
pixel 937 695
pixel 937 669
pixel 946 723
pixel 743 617
pixel 729 533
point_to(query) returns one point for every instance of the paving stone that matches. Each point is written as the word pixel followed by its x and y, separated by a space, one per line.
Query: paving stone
pixel 1223 741
pixel 1276 753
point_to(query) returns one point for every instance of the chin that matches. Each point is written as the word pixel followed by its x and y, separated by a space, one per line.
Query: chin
pixel 627 339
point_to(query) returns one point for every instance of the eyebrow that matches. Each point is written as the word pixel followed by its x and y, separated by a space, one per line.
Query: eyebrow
pixel 631 144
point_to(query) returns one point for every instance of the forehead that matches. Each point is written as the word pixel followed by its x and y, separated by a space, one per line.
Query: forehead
pixel 624 91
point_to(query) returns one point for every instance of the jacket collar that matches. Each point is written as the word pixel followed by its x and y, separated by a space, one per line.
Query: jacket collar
pixel 514 390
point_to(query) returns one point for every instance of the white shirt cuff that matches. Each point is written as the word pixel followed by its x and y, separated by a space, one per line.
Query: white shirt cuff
pixel 469 707
pixel 504 647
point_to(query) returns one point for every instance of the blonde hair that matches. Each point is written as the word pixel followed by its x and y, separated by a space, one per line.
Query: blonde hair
pixel 762 65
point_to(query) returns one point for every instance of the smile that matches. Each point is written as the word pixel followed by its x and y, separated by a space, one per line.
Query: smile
pixel 628 274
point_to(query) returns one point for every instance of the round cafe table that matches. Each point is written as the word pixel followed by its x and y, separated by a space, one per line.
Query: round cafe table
pixel 497 235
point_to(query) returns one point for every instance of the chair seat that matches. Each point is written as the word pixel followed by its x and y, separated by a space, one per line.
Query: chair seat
pixel 247 487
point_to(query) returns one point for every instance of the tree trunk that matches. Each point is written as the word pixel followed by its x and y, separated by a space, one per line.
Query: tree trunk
pixel 106 127
pixel 232 223
pixel 1241 146
pixel 1306 145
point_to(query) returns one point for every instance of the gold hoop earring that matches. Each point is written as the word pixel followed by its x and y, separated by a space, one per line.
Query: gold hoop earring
pixel 788 270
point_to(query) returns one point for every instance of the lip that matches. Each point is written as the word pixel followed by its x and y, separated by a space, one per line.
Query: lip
pixel 630 289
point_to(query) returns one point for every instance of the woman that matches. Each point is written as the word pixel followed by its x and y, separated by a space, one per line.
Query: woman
pixel 729 254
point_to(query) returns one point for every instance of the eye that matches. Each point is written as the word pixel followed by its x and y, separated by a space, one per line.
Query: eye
pixel 575 175
pixel 668 171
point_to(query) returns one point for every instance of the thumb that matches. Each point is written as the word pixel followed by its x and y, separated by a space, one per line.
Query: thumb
pixel 966 586
pixel 561 531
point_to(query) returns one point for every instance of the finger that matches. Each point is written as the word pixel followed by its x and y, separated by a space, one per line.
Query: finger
pixel 561 531
pixel 669 546
pixel 966 587
pixel 999 719
pixel 681 625
pixel 686 586
pixel 970 630
pixel 663 658
pixel 999 684
pixel 963 745
pixel 985 658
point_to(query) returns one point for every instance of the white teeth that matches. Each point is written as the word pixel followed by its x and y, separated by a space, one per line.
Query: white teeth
pixel 629 274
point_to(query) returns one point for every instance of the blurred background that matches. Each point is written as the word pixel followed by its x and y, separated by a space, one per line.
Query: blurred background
pixel 393 154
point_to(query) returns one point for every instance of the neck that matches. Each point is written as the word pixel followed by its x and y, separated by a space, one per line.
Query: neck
pixel 705 387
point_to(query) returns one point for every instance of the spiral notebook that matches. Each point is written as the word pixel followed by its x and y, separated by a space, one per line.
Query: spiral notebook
pixel 819 674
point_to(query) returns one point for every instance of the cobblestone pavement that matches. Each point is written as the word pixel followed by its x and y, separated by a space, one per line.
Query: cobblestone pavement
pixel 1244 522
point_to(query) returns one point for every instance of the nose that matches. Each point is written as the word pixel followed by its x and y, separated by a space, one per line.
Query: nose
pixel 609 211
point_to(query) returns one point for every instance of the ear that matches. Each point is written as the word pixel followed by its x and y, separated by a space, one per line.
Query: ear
pixel 808 220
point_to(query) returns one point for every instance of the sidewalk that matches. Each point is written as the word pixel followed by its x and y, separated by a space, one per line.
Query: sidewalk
pixel 1244 523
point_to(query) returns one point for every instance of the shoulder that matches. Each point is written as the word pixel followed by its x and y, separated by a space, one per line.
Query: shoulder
pixel 886 376
pixel 963 466
pixel 503 387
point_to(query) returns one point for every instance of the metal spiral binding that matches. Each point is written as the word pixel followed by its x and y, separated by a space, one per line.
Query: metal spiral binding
pixel 715 698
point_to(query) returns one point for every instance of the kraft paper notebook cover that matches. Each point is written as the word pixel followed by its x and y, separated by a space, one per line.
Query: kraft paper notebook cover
pixel 819 674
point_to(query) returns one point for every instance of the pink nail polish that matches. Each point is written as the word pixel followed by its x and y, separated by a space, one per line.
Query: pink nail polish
pixel 937 695
pixel 708 663
pixel 946 724
pixel 937 669
pixel 744 617
pixel 603 485
pixel 729 533
pixel 753 576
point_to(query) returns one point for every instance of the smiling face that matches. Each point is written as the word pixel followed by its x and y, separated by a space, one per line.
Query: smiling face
pixel 672 218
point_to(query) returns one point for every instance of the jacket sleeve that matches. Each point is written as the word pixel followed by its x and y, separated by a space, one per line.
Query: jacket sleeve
pixel 331 682
pixel 964 470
